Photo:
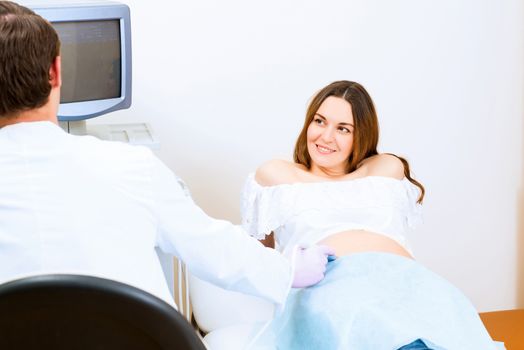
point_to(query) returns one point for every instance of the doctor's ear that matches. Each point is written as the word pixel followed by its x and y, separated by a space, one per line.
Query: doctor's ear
pixel 55 72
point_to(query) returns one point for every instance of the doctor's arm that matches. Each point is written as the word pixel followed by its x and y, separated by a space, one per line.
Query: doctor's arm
pixel 222 253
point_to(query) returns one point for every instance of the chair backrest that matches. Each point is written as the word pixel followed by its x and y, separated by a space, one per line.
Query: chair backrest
pixel 84 312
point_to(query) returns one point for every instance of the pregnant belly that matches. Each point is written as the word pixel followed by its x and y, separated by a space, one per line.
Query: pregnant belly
pixel 356 241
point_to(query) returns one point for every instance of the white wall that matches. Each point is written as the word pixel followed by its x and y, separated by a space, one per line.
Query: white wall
pixel 225 86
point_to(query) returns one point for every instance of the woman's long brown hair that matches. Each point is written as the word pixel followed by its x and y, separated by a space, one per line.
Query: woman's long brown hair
pixel 366 130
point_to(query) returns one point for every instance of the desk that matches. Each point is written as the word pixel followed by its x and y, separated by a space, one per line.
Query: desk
pixel 506 326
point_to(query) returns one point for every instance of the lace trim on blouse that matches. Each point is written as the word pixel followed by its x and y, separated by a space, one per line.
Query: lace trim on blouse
pixel 266 208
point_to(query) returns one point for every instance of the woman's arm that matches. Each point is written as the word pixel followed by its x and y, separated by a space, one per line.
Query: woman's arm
pixel 387 164
pixel 276 172
pixel 383 165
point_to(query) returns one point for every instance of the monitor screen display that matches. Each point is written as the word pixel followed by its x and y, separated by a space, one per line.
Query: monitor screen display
pixel 91 60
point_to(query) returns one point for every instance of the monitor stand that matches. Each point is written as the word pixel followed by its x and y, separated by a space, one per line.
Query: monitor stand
pixel 132 133
pixel 75 128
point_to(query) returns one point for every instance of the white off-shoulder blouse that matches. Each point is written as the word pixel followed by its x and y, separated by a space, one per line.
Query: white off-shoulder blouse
pixel 308 212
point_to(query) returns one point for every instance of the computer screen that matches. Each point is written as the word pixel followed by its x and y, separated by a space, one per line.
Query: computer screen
pixel 91 67
pixel 95 53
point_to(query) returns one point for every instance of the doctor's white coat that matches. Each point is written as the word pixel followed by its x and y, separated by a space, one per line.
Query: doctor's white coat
pixel 76 204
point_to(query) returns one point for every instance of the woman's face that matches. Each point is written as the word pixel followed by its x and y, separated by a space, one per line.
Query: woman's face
pixel 330 137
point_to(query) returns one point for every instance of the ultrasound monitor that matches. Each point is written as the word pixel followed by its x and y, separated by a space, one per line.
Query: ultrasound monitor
pixel 95 54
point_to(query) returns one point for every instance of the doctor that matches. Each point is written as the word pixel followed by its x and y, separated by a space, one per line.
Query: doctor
pixel 76 204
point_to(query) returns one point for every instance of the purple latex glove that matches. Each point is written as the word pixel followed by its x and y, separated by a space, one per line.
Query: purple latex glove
pixel 310 265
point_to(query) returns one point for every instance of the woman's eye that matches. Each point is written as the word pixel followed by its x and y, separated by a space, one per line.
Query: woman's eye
pixel 318 121
pixel 344 130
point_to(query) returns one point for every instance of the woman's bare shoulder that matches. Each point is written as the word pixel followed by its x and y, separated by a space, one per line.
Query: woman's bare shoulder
pixel 384 164
pixel 276 172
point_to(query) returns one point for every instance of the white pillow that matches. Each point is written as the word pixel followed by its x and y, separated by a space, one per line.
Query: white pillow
pixel 236 337
pixel 215 308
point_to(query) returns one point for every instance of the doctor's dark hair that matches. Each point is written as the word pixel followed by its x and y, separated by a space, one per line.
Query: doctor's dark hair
pixel 28 46
pixel 365 132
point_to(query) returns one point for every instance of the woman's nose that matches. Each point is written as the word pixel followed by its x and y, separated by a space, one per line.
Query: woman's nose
pixel 327 135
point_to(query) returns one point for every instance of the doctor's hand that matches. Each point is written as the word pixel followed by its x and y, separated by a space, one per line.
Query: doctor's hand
pixel 310 265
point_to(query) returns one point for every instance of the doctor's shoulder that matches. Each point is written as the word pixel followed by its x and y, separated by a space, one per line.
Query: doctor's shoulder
pixel 277 172
pixel 118 156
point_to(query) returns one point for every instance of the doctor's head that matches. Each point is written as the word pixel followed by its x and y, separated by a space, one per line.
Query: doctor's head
pixel 340 129
pixel 29 62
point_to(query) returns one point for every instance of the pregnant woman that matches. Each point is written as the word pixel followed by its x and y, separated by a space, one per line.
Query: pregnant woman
pixel 341 192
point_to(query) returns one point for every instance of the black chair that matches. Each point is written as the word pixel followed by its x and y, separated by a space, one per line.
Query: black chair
pixel 83 312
